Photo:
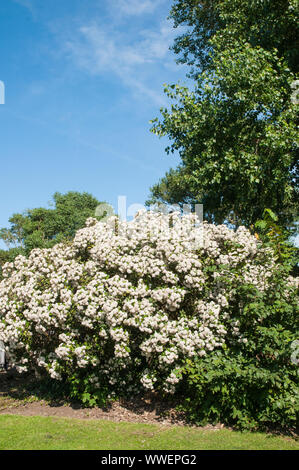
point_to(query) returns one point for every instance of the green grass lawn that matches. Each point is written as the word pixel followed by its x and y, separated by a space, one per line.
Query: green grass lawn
pixel 42 433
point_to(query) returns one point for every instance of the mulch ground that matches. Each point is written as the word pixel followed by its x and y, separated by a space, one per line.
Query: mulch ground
pixel 16 398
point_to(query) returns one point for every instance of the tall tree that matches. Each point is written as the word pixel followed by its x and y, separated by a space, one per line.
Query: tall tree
pixel 262 23
pixel 236 130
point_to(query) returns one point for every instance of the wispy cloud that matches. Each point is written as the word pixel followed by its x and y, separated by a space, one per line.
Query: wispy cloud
pixel 136 60
pixel 114 49
pixel 26 4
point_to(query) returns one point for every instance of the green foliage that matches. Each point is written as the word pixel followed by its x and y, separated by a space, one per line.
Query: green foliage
pixel 236 131
pixel 9 255
pixel 263 23
pixel 254 385
pixel 235 390
pixel 43 228
pixel 278 239
pixel 82 390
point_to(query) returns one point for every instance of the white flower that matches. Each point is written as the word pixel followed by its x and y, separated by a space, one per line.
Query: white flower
pixel 113 300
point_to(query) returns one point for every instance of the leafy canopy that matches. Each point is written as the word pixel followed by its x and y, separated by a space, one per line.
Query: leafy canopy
pixel 262 23
pixel 236 130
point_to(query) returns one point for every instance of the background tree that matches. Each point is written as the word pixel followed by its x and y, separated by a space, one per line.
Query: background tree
pixel 43 228
pixel 236 130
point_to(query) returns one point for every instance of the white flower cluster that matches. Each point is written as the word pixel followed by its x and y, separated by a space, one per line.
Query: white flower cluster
pixel 127 301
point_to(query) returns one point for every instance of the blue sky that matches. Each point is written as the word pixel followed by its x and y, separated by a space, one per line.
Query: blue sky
pixel 82 81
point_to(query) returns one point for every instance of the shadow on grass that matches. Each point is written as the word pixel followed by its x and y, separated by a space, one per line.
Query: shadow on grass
pixel 19 389
pixel 22 388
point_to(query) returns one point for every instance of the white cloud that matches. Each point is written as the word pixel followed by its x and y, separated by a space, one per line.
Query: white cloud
pixel 104 50
pixel 109 48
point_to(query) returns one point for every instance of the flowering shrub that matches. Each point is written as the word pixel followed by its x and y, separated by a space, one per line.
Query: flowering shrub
pixel 123 306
